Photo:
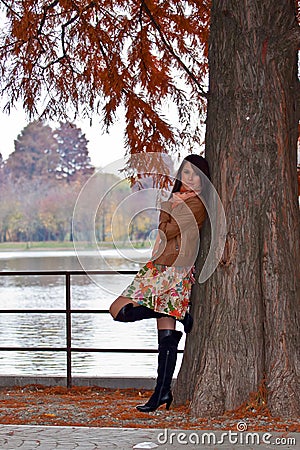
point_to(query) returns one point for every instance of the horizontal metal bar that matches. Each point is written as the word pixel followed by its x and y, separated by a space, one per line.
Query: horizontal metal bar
pixel 53 311
pixel 116 350
pixel 32 349
pixel 67 272
pixel 80 350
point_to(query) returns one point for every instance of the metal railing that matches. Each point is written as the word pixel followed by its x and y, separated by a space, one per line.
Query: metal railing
pixel 68 311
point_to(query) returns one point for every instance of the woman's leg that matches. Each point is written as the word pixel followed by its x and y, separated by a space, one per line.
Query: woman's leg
pixel 166 323
pixel 168 340
pixel 124 309
pixel 118 304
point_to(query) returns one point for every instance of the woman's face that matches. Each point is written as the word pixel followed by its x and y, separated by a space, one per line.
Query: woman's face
pixel 189 178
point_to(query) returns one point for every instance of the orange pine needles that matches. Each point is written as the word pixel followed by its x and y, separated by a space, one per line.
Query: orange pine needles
pixel 92 406
pixel 85 57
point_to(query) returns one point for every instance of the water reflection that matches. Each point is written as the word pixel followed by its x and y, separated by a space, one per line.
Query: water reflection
pixel 88 330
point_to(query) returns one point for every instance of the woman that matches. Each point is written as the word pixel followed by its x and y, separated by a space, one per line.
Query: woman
pixel 162 288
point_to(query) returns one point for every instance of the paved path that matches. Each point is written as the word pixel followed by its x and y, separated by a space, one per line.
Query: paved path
pixel 27 437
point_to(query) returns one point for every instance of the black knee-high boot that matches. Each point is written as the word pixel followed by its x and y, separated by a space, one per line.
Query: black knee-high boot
pixel 130 313
pixel 168 341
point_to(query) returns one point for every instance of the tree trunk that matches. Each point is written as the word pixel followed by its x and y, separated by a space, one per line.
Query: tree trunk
pixel 247 314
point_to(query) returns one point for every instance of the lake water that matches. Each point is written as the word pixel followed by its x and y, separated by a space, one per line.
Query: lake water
pixel 88 330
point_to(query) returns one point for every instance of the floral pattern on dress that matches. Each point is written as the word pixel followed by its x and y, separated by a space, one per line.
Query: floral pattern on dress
pixel 162 288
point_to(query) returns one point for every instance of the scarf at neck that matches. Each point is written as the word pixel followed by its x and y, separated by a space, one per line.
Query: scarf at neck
pixel 181 196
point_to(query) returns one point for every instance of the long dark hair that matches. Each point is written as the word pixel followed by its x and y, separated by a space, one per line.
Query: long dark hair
pixel 199 164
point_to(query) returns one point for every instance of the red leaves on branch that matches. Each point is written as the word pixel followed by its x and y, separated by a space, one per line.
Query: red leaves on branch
pixel 69 56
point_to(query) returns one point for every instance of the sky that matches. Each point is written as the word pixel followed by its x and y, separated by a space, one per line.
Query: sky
pixel 103 148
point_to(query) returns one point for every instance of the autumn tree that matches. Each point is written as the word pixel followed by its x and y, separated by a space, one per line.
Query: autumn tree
pixel 35 153
pixel 20 210
pixel 94 56
pixel 249 309
pixel 36 210
pixel 1 169
pixel 73 152
pixel 104 191
pixel 55 211
pixel 8 209
pixel 43 152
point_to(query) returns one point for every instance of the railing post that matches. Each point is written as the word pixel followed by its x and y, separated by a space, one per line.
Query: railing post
pixel 68 330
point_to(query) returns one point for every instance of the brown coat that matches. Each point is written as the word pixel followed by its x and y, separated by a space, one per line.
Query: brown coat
pixel 179 232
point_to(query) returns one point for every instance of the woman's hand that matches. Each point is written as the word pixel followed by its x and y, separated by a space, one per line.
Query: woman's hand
pixel 179 197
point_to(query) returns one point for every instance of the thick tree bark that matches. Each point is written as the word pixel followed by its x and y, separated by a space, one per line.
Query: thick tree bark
pixel 247 314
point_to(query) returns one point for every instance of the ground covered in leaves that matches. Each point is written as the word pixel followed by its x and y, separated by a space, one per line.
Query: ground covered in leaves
pixel 98 407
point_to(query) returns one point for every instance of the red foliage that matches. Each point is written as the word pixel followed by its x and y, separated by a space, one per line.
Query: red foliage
pixel 96 56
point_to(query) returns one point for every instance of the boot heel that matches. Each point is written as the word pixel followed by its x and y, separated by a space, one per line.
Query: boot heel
pixel 168 404
pixel 169 401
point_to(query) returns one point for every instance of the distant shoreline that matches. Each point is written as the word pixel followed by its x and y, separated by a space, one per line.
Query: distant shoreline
pixel 61 246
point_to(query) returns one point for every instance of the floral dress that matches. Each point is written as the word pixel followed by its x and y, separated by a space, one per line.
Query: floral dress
pixel 165 289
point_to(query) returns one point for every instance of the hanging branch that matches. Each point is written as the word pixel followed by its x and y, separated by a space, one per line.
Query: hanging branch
pixel 10 8
pixel 171 50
